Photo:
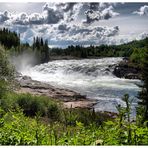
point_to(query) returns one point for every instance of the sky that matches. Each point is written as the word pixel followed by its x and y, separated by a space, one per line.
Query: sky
pixel 79 23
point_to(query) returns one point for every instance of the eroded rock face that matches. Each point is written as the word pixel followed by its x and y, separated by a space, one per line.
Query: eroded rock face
pixel 124 70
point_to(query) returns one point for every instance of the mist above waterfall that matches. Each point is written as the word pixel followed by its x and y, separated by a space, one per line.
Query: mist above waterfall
pixel 24 61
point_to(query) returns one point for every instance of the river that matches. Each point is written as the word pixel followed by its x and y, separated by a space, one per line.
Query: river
pixel 90 77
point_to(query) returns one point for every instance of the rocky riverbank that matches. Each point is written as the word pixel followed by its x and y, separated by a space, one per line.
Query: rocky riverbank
pixel 68 97
pixel 126 69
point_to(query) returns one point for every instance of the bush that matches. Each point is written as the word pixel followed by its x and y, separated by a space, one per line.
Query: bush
pixel 85 116
pixel 17 129
pixel 33 105
pixel 6 69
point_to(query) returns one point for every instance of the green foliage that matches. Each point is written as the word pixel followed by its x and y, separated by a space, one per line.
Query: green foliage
pixel 6 69
pixel 85 116
pixel 6 73
pixel 143 95
pixel 138 55
pixel 122 131
pixel 31 105
pixel 135 50
pixel 9 39
pixel 40 47
pixel 16 129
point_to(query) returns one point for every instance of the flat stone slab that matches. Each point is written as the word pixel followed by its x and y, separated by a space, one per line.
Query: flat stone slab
pixel 68 97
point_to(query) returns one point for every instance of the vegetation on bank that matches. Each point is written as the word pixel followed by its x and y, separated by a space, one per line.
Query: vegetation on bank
pixel 27 119
pixel 74 127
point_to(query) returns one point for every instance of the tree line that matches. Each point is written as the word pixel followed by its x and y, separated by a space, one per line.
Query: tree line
pixel 11 41
pixel 135 50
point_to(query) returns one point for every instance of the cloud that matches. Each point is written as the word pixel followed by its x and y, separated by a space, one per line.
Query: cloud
pixel 49 15
pixel 71 10
pixel 91 16
pixel 62 11
pixel 63 28
pixel 54 13
pixel 4 16
pixel 142 11
pixel 108 13
pixel 99 12
pixel 143 35
pixel 68 6
pixel 36 18
pixel 79 34
pixel 64 34
pixel 22 19
pixel 64 24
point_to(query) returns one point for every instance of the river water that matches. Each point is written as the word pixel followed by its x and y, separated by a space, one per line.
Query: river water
pixel 90 77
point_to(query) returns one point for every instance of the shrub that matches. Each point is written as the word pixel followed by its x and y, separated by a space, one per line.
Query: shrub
pixel 32 105
pixel 17 129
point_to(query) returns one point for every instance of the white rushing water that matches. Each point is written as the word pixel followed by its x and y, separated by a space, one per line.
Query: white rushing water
pixel 90 77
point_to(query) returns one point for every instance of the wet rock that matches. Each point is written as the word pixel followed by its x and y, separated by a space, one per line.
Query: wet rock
pixel 125 70
pixel 132 76
pixel 26 78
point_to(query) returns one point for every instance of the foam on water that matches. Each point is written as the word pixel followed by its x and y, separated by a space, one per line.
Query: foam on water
pixel 91 77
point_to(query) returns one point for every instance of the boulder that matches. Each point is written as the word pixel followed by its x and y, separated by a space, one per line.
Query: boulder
pixel 125 70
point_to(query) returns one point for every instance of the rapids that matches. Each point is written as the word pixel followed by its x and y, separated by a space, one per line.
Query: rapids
pixel 90 77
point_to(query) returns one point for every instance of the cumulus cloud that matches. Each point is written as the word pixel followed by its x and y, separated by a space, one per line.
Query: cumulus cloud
pixel 67 34
pixel 21 19
pixel 108 13
pixel 143 35
pixel 49 15
pixel 4 16
pixel 70 11
pixel 53 13
pixel 91 16
pixel 99 12
pixel 64 34
pixel 62 24
pixel 142 11
pixel 36 18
